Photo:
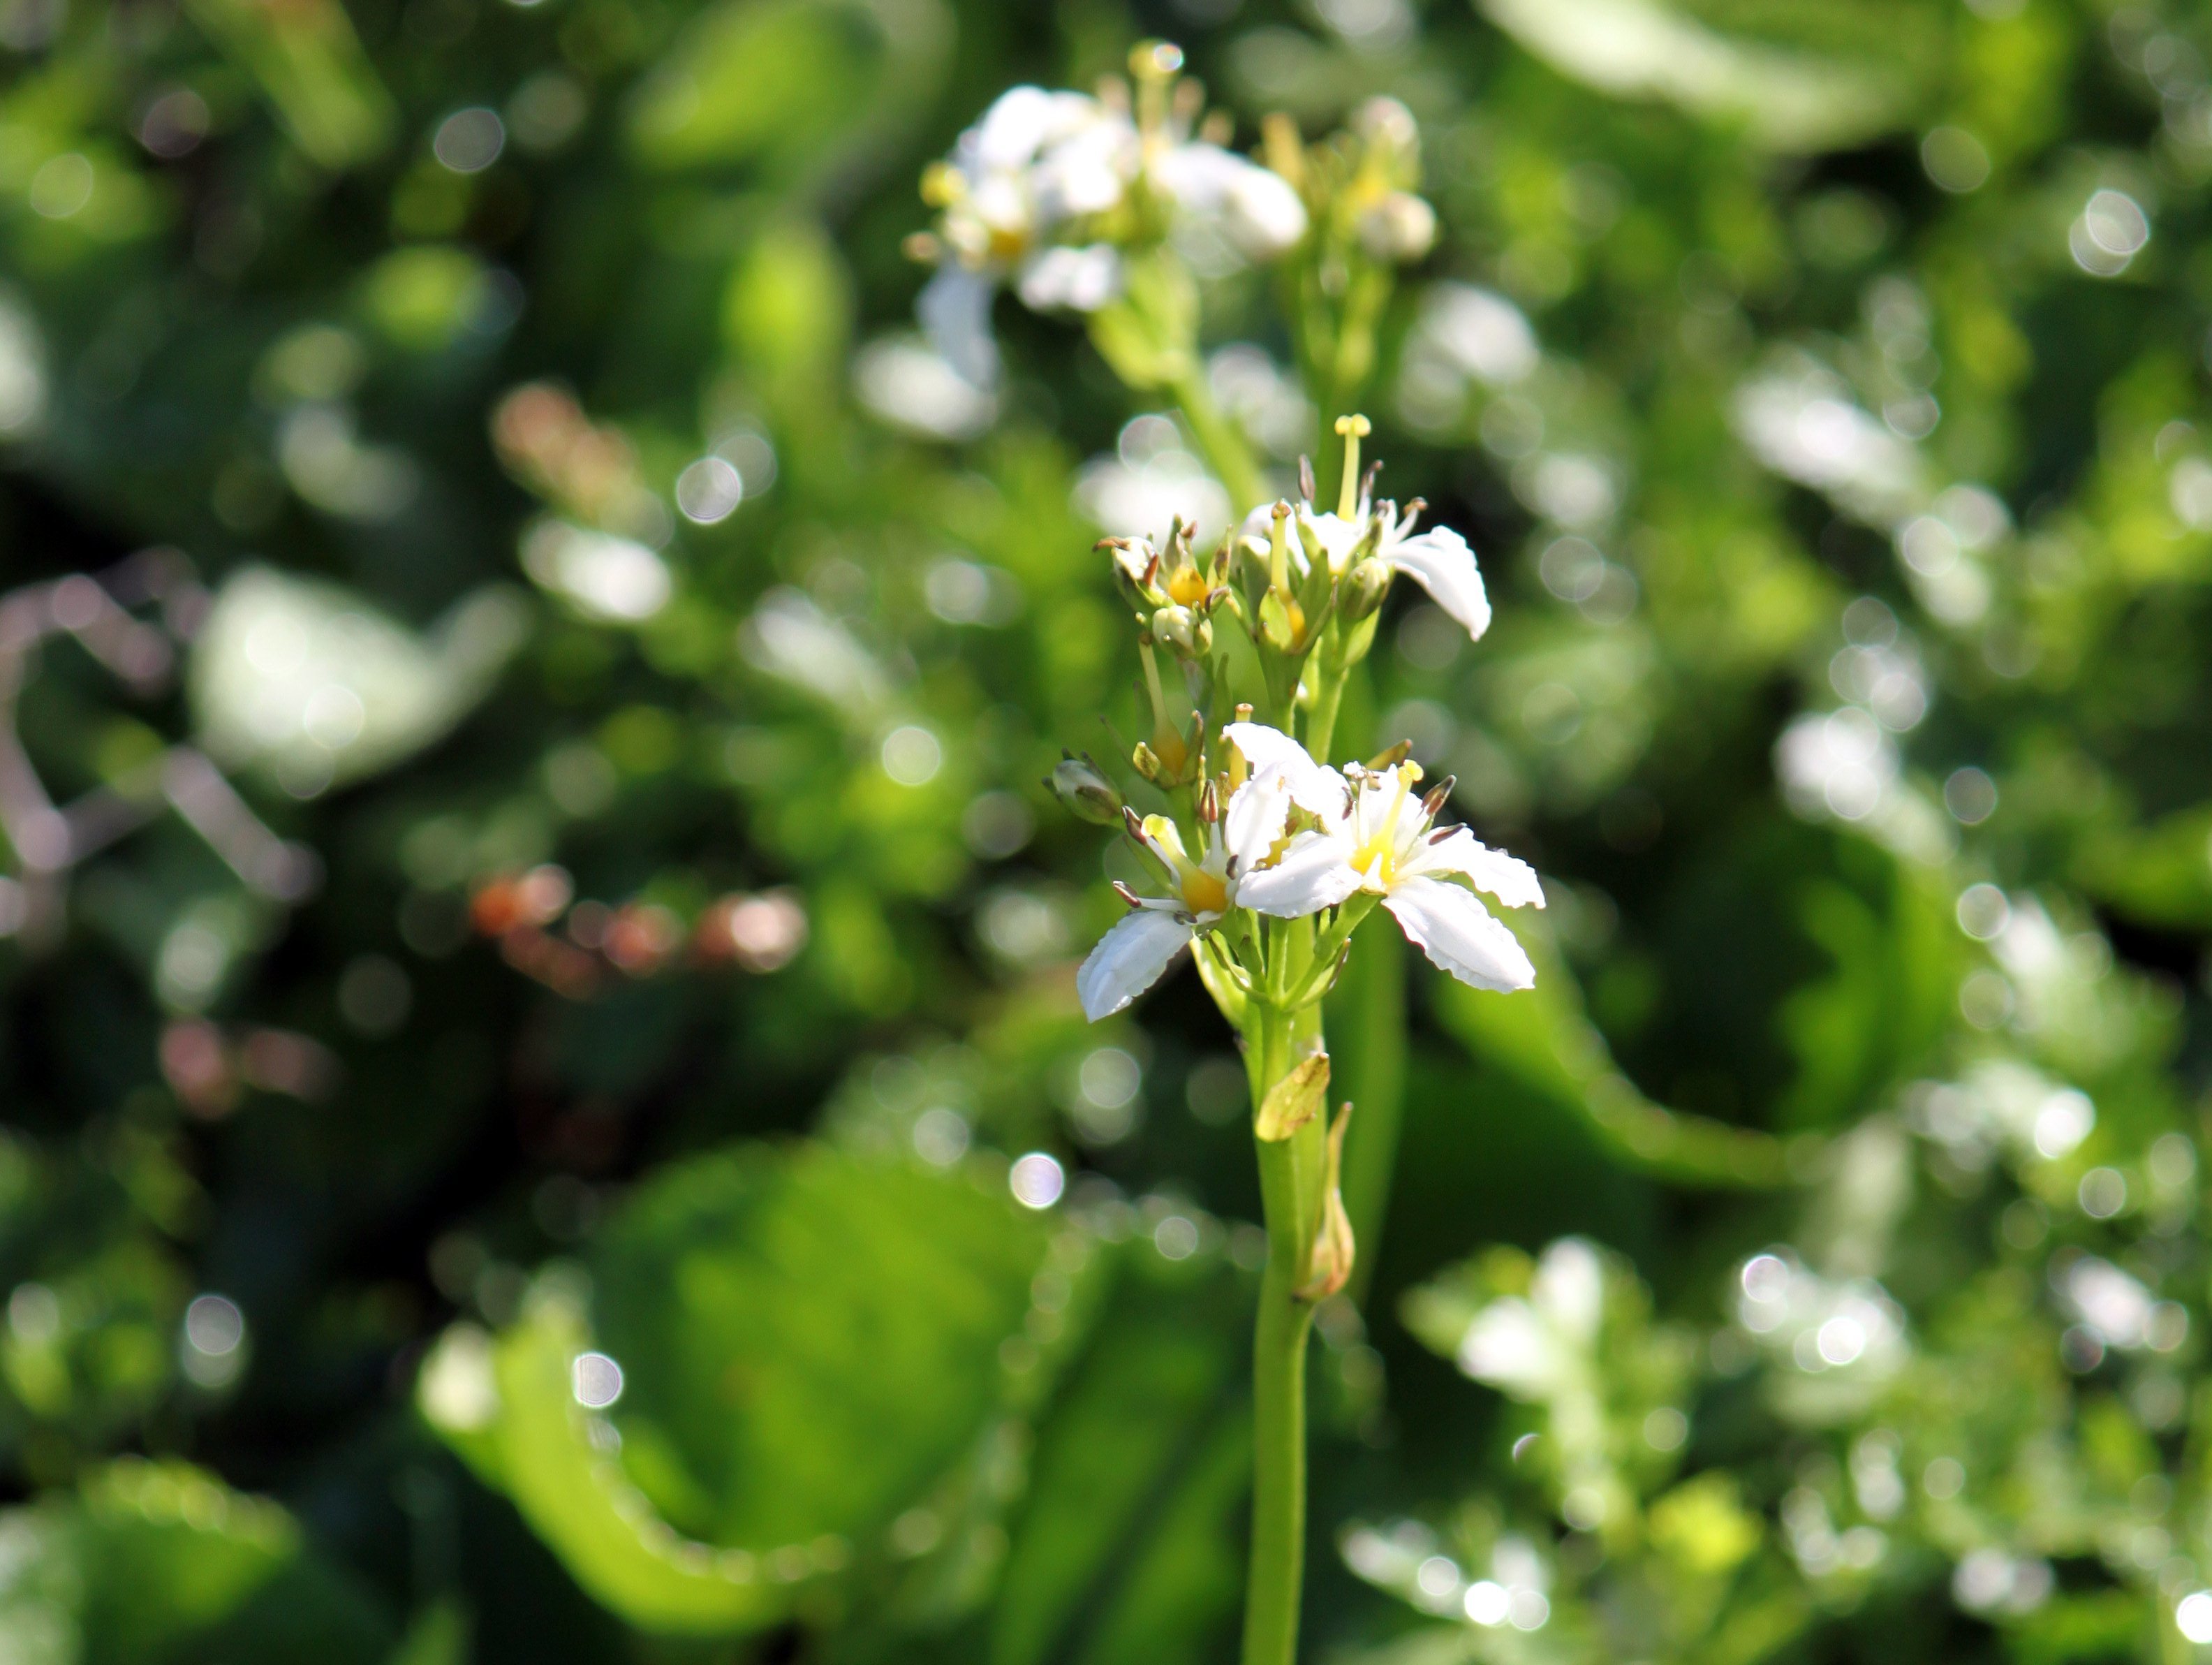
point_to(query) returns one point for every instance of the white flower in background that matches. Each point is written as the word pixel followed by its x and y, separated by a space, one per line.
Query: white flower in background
pixel 310 682
pixel 2116 1307
pixel 617 580
pixel 1256 209
pixel 790 638
pixel 1384 842
pixel 1151 479
pixel 910 385
pixel 1438 560
pixel 1534 1348
pixel 1851 1328
pixel 2001 1104
pixel 1798 417
pixel 1033 195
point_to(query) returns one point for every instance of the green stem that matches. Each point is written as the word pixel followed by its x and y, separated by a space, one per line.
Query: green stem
pixel 1368 1010
pixel 1220 438
pixel 1291 1176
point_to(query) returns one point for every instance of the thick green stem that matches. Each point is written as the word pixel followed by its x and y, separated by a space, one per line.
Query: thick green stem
pixel 1291 1172
pixel 1221 441
pixel 1368 1015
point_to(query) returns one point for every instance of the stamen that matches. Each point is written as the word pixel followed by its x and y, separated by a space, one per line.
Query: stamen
pixel 1353 428
pixel 1128 895
pixel 1306 478
pixel 1134 823
pixel 1435 798
pixel 1152 686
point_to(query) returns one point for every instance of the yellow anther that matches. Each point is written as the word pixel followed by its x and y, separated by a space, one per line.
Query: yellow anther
pixel 943 185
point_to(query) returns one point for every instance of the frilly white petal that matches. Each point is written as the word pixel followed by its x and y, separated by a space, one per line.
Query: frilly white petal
pixel 1129 959
pixel 955 309
pixel 1439 561
pixel 1337 536
pixel 1512 881
pixel 1259 211
pixel 1312 875
pixel 1078 279
pixel 1257 813
pixel 1312 786
pixel 1458 934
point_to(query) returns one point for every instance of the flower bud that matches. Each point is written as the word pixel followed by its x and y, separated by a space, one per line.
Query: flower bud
pixel 1176 627
pixel 1400 228
pixel 1363 590
pixel 1079 783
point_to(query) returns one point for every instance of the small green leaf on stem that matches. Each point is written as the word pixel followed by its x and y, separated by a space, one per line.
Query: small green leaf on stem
pixel 1295 1100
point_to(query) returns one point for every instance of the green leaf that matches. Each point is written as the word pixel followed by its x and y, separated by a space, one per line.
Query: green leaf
pixel 155 1563
pixel 1785 94
pixel 777 81
pixel 813 1343
pixel 311 67
pixel 1128 1550
pixel 1543 1038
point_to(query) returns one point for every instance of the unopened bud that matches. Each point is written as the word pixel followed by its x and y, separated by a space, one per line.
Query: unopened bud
pixel 1146 763
pixel 1362 589
pixel 1209 803
pixel 1400 228
pixel 1385 121
pixel 1079 783
pixel 1176 628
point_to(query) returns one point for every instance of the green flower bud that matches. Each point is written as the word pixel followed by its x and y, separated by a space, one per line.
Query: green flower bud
pixel 1079 783
pixel 1176 628
pixel 1363 591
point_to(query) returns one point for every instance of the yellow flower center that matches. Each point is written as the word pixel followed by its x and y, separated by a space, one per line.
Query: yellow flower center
pixel 1377 858
pixel 1202 893
pixel 1187 586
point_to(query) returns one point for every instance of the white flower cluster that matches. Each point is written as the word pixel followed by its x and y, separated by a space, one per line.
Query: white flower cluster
pixel 1287 837
pixel 1048 188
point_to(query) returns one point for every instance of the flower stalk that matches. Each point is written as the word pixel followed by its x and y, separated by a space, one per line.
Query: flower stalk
pixel 1263 861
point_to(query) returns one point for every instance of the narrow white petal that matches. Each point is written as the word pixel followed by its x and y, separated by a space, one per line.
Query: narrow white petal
pixel 1312 786
pixel 1440 561
pixel 1129 959
pixel 1457 933
pixel 1312 875
pixel 1511 880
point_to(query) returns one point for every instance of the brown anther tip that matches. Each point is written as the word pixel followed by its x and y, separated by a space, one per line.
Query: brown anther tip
pixel 1441 834
pixel 1435 798
pixel 1127 894
pixel 1134 823
pixel 1305 478
pixel 1367 480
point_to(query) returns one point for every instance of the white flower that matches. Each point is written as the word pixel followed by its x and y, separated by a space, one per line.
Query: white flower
pixel 1382 842
pixel 1438 560
pixel 1132 957
pixel 1024 195
pixel 1258 211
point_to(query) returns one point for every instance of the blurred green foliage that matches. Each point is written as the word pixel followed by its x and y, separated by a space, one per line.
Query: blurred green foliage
pixel 553 1129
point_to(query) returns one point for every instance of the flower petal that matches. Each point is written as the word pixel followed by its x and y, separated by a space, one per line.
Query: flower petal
pixel 1257 813
pixel 1269 751
pixel 1080 279
pixel 1439 561
pixel 1512 881
pixel 955 309
pixel 1129 959
pixel 1458 934
pixel 1312 875
pixel 1259 211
